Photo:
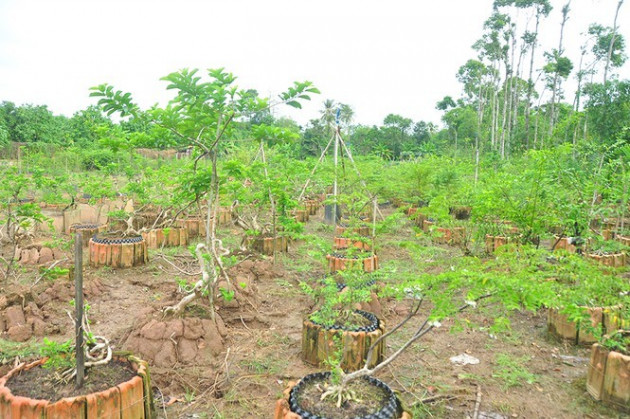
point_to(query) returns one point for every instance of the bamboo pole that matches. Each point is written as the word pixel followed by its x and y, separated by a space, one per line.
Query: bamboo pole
pixel 78 299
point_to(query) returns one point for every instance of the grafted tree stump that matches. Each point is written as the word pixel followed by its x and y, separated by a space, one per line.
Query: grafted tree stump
pixel 318 343
pixel 339 262
pixel 607 319
pixel 118 252
pixel 267 245
pixel 427 225
pixel 156 238
pixel 87 231
pixel 608 377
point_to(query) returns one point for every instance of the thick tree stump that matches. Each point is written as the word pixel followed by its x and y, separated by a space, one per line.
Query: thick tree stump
pixel 607 319
pixel 156 238
pixel 87 231
pixel 118 252
pixel 318 344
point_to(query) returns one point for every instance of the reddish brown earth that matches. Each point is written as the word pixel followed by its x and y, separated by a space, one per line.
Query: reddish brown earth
pixel 237 366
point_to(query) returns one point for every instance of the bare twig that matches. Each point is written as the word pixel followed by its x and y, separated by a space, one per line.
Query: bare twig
pixel 477 403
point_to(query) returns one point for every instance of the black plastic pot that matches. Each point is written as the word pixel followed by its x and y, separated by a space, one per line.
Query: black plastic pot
pixel 374 323
pixel 389 411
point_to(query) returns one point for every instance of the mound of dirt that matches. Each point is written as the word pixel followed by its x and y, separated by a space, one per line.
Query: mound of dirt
pixel 21 319
pixel 185 341
pixel 63 290
pixel 37 254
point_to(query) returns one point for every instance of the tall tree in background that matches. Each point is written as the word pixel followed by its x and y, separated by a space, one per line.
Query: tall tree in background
pixel 613 37
pixel 557 67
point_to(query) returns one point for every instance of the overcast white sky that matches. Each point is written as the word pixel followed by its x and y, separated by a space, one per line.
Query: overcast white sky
pixel 381 57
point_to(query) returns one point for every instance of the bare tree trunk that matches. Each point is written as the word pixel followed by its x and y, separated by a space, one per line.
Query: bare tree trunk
pixel 556 77
pixel 530 82
pixel 612 42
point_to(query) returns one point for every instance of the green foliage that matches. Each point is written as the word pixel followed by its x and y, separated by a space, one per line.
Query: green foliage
pixel 511 372
pixel 60 354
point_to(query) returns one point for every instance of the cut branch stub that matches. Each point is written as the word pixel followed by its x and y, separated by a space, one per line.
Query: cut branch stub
pixel 118 252
pixel 156 238
pixel 87 231
pixel 318 344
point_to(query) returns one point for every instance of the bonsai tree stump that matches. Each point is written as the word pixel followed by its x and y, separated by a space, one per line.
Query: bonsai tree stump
pixel 318 343
pixel 87 231
pixel 118 252
pixel 608 377
pixel 607 319
pixel 156 238
pixel 131 399
pixel 267 245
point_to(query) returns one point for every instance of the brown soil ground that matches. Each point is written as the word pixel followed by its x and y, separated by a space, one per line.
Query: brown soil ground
pixel 263 342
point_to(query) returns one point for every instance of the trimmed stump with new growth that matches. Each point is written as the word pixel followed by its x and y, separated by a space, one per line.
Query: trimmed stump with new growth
pixel 451 235
pixel 303 400
pixel 608 377
pixel 318 342
pixel 117 252
pixel 87 231
pixel 269 245
pixel 131 399
pixel 167 237
pixel 339 261
pixel 614 260
pixel 606 319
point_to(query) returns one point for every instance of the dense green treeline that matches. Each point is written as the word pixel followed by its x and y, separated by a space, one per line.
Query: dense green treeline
pixel 509 103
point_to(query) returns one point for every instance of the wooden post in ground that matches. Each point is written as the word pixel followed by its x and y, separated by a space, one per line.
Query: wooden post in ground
pixel 78 299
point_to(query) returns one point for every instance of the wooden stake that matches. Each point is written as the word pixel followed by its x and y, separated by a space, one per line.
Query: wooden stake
pixel 78 299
